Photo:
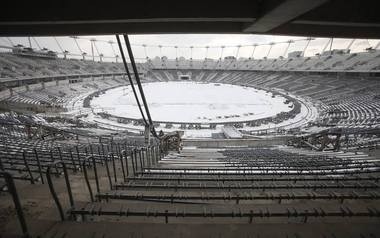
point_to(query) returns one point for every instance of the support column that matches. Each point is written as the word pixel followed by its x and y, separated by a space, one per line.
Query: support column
pixel 147 135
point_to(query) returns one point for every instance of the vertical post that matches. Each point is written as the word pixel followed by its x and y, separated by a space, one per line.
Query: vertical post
pixel 39 166
pixel 206 55
pixel 96 174
pixel 159 151
pixel 92 49
pixel 254 49
pixel 133 163
pixel 307 45
pixel 1 164
pixel 154 154
pixel 191 54
pixel 16 200
pixel 147 134
pixel 101 154
pixel 126 160
pixel 237 51
pixel 27 167
pixel 60 154
pixel 140 159
pixel 87 181
pixel 349 45
pixel 332 39
pixel 52 190
pixel 72 160
pixel 114 167
pixel 287 47
pixel 148 156
pixel 30 42
pixel 78 156
pixel 122 165
pixel 221 52
pixel 146 55
pixel 108 170
pixel 143 156
pixel 270 48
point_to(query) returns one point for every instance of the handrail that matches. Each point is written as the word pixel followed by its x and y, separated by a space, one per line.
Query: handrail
pixel 86 176
pixel 16 200
pixel 52 190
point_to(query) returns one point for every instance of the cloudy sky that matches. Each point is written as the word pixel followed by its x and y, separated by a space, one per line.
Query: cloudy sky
pixel 184 41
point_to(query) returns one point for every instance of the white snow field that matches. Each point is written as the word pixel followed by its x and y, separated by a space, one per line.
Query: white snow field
pixel 191 102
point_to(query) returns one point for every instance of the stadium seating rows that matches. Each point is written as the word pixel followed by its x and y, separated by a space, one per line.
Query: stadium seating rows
pixel 363 61
pixel 339 98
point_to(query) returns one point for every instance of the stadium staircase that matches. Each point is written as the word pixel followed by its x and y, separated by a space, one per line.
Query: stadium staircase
pixel 266 192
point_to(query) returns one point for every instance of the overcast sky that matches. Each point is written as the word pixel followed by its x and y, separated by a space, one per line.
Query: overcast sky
pixel 184 41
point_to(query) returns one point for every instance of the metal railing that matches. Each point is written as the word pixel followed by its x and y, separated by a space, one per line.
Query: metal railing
pixel 11 188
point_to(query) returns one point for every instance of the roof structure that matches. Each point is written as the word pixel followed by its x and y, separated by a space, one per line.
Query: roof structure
pixel 319 18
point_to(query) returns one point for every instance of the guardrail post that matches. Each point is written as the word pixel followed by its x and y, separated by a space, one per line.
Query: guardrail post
pixel 16 200
pixel 122 164
pixel 52 190
pixel 87 181
pixel 133 163
pixel 72 160
pixel 108 169
pixel 140 158
pixel 114 167
pixel 39 166
pixel 27 167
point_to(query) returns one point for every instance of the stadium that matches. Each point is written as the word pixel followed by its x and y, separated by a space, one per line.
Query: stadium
pixel 272 131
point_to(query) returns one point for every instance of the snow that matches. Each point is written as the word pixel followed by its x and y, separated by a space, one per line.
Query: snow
pixel 308 113
pixel 191 102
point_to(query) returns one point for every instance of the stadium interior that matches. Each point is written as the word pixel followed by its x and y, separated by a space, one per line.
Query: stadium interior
pixel 223 141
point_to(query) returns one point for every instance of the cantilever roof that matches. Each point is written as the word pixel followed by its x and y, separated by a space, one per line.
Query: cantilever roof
pixel 324 18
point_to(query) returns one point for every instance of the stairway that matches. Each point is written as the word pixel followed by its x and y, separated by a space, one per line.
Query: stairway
pixel 232 192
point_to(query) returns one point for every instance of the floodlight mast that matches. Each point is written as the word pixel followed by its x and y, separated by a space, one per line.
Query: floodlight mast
pixel 350 45
pixel 80 49
pixel 146 54
pixel 287 47
pixel 206 55
pixel 30 42
pixel 331 44
pixel 35 41
pixel 377 46
pixel 10 41
pixel 92 49
pixel 253 51
pixel 237 51
pixel 221 52
pixel 270 48
pixel 325 47
pixel 307 45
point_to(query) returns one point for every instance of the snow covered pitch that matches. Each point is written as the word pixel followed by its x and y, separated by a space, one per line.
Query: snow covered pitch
pixel 192 102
